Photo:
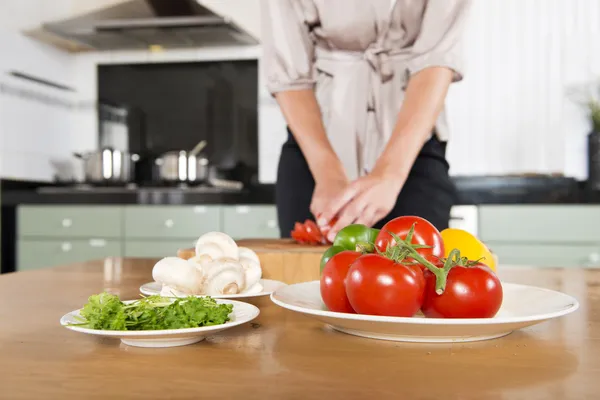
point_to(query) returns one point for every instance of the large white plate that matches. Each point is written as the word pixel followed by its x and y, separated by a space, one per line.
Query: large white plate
pixel 269 286
pixel 522 306
pixel 242 313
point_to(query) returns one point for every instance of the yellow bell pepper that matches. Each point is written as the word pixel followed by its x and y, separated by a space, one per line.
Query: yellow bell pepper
pixel 469 246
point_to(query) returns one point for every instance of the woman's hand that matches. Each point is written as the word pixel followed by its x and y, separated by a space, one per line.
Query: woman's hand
pixel 327 188
pixel 365 201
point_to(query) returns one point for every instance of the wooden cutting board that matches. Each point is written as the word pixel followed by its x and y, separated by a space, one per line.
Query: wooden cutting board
pixel 285 260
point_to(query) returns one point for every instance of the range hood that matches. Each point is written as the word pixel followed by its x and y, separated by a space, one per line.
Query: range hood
pixel 143 24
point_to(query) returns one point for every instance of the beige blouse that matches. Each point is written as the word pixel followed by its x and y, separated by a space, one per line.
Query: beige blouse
pixel 358 56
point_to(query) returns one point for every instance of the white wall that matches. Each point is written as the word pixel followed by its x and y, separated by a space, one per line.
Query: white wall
pixel 34 118
pixel 33 133
pixel 510 115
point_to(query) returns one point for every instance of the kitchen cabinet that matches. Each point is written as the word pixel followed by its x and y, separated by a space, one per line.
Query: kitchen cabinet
pixel 168 222
pixel 41 253
pixel 54 235
pixel 70 221
pixel 547 255
pixel 156 248
pixel 243 222
pixel 540 223
pixel 542 235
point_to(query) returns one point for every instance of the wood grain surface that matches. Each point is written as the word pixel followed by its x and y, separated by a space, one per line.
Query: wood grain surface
pixel 281 259
pixel 283 355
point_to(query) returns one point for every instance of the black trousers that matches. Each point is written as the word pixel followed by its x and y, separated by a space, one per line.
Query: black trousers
pixel 428 192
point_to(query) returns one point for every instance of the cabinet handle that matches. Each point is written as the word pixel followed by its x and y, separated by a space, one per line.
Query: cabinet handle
pixel 242 209
pixel 593 260
pixel 67 222
pixel 97 243
pixel 272 224
pixel 66 247
pixel 169 223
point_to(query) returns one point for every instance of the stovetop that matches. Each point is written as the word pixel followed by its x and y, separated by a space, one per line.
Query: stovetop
pixel 132 187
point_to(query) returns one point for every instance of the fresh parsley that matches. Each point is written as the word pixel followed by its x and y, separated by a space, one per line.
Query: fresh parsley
pixel 106 311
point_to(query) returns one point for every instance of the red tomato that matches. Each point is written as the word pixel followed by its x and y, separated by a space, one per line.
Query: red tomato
pixel 299 234
pixel 425 234
pixel 333 287
pixel 303 234
pixel 313 231
pixel 298 237
pixel 471 292
pixel 376 285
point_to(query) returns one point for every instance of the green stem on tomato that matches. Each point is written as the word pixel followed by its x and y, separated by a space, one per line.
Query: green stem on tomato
pixel 441 274
pixel 365 247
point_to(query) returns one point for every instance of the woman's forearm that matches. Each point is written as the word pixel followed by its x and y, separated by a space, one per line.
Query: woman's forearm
pixel 303 116
pixel 423 101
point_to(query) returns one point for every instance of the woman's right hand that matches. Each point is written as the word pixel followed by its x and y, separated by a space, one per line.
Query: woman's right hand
pixel 327 188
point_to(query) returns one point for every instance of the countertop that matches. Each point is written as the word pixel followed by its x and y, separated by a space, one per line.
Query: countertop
pixel 283 355
pixel 469 190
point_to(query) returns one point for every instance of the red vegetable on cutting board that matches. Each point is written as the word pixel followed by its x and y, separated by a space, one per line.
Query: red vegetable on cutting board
pixel 309 232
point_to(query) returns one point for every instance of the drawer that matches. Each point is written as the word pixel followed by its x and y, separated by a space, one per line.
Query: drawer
pixel 540 223
pixel 171 221
pixel 156 248
pixel 539 255
pixel 69 221
pixel 36 254
pixel 242 222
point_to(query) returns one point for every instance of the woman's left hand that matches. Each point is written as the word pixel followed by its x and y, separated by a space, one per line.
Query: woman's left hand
pixel 365 201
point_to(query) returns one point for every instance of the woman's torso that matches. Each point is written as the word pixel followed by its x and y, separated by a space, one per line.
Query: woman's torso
pixel 362 54
pixel 354 25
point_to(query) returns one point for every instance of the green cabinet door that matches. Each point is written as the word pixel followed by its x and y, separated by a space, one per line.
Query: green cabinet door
pixel 170 222
pixel 69 221
pixel 575 224
pixel 546 255
pixel 42 253
pixel 156 248
pixel 243 222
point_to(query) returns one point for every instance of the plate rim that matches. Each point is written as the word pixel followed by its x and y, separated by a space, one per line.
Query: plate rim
pixel 229 296
pixel 432 321
pixel 162 332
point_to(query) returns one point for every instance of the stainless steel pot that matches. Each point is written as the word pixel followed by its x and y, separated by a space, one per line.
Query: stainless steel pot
pixel 182 167
pixel 108 166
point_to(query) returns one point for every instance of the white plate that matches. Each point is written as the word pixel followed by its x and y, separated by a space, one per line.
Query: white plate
pixel 269 286
pixel 242 313
pixel 522 306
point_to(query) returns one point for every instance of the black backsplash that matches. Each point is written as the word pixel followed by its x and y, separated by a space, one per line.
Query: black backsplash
pixel 174 106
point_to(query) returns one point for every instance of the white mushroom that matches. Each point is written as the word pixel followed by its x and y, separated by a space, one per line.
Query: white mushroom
pixel 224 277
pixel 217 245
pixel 245 252
pixel 179 275
pixel 200 261
pixel 252 270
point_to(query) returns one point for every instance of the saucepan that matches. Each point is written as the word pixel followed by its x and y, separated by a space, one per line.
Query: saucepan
pixel 184 166
pixel 108 165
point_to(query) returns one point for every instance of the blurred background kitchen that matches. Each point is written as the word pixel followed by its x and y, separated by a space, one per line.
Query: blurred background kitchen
pixel 129 127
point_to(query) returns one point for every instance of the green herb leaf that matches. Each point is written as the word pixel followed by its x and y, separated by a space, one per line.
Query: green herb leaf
pixel 106 311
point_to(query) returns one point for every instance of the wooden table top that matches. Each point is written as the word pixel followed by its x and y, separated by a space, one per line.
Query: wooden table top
pixel 284 355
